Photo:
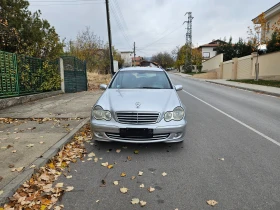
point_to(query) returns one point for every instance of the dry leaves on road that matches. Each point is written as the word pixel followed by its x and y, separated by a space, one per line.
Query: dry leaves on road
pixel 141 186
pixel 30 145
pixel 135 200
pixel 123 190
pixel 1 192
pixel 38 192
pixel 129 158
pixel 136 152
pixel 123 174
pixel 164 174
pixel 151 189
pixel 140 173
pixel 222 159
pixel 133 177
pixel 118 150
pixel 14 151
pixel 90 155
pixel 212 202
pixel 143 203
pixel 116 182
pixel 105 164
pixel 110 166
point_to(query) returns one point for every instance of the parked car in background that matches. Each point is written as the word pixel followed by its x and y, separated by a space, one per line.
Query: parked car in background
pixel 140 105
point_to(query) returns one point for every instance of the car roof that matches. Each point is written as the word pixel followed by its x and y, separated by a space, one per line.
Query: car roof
pixel 137 68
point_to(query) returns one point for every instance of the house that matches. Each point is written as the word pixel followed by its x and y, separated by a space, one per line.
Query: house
pixel 209 50
pixel 272 18
pixel 137 61
pixel 127 57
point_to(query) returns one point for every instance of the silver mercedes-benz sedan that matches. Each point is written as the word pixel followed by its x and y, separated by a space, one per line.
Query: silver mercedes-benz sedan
pixel 140 105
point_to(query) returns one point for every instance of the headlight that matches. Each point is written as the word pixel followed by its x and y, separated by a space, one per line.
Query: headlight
pixel 177 114
pixel 168 116
pixel 99 114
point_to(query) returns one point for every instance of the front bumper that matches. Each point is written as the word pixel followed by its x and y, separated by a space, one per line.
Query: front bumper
pixel 168 132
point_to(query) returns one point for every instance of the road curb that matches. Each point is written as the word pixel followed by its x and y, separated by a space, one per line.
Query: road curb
pixel 244 88
pixel 12 186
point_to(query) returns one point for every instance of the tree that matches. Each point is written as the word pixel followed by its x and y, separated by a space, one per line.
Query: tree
pixel 181 57
pixel 274 44
pixel 164 59
pixel 25 32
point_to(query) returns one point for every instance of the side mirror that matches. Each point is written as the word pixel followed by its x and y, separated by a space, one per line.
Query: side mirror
pixel 103 87
pixel 178 87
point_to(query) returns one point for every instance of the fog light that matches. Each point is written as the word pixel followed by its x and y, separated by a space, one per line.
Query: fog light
pixel 98 134
pixel 177 135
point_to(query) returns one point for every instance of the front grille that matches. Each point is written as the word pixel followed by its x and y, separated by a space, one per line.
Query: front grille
pixel 138 138
pixel 137 117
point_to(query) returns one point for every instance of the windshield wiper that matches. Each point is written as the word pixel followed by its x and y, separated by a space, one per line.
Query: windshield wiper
pixel 150 88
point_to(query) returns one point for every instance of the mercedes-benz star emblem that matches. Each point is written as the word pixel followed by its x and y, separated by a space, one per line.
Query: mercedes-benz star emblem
pixel 138 104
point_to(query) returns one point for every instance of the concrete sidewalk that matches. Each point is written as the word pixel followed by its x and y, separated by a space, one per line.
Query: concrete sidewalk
pixel 35 133
pixel 256 88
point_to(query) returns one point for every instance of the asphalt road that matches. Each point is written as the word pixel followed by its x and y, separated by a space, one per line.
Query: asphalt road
pixel 240 126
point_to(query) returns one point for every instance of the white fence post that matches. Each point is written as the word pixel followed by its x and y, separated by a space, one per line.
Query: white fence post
pixel 62 74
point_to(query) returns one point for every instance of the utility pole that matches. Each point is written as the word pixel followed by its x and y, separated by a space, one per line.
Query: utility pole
pixel 109 37
pixel 134 54
pixel 188 62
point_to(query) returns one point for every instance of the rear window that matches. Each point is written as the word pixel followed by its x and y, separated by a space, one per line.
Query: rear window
pixel 141 80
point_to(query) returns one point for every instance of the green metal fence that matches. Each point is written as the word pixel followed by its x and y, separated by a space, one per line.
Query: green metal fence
pixel 20 74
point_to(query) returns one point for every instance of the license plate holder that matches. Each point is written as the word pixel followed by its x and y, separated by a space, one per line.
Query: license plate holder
pixel 136 132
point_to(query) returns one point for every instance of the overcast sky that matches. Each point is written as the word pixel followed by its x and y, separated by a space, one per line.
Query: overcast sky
pixel 155 25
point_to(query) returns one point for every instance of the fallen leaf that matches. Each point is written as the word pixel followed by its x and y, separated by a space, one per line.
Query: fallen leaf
pixel 140 173
pixel 58 185
pixel 212 202
pixel 118 150
pixel 43 207
pixel 123 174
pixel 164 174
pixel 135 200
pixel 143 203
pixel 110 166
pixel 33 166
pixel 133 177
pixel 3 147
pixel 105 164
pixel 9 146
pixel 19 169
pixel 141 186
pixel 123 190
pixel 41 142
pixel 136 152
pixel 222 159
pixel 95 159
pixel 129 158
pixel 47 188
pixel 69 188
pixel 69 177
pixel 51 165
pixel 1 192
pixel 30 145
pixel 17 138
pixel 89 159
pixel 14 151
pixel 97 201
pixel 116 183
pixel 91 154
pixel 151 189
pixel 45 177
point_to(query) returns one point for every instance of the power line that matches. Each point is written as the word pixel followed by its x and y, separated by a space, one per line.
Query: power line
pixel 121 14
pixel 66 1
pixel 84 3
pixel 120 26
pixel 160 38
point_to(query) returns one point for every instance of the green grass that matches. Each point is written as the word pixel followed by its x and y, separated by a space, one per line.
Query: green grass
pixel 194 73
pixel 271 83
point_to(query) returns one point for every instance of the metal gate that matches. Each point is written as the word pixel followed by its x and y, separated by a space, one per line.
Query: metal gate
pixel 8 75
pixel 75 74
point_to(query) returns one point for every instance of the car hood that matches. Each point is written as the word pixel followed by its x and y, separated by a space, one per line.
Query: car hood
pixel 150 100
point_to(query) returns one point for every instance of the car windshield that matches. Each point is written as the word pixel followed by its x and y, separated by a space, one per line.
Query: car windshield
pixel 141 80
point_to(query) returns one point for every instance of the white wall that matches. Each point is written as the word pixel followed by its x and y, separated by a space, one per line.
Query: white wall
pixel 127 57
pixel 213 63
pixel 209 50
